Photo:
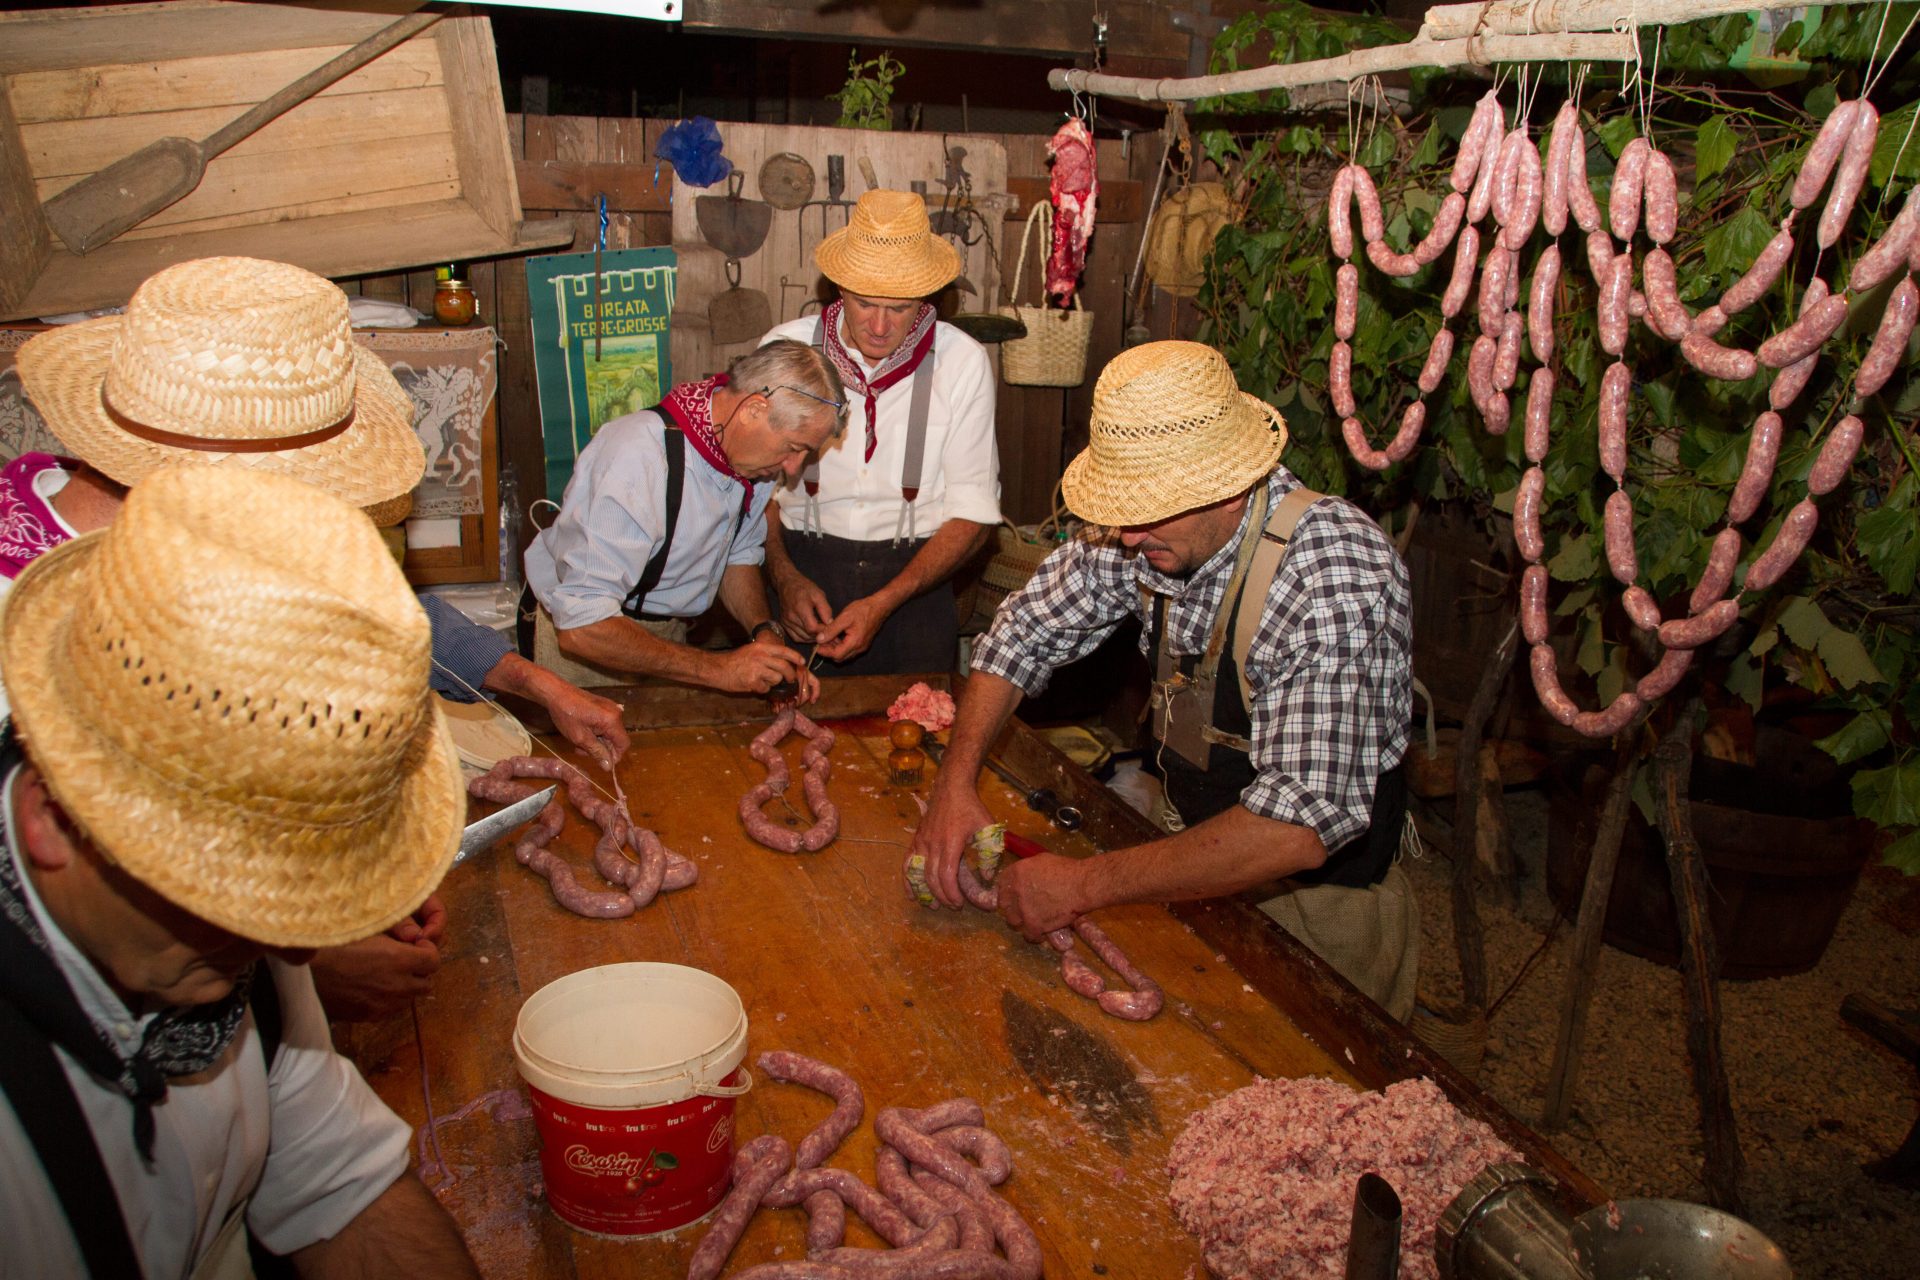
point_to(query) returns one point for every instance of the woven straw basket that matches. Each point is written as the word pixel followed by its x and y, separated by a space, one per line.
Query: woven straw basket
pixel 1054 352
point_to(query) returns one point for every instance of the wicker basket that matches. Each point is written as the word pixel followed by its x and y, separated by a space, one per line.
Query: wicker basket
pixel 1054 352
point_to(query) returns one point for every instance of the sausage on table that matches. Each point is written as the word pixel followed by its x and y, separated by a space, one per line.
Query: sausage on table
pixel 756 1167
pixel 849 1104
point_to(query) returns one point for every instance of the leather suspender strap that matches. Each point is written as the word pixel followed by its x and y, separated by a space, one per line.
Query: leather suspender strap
pixel 912 464
pixel 1267 559
pixel 676 446
pixel 43 1102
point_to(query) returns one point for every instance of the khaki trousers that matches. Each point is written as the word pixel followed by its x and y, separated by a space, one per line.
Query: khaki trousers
pixel 546 651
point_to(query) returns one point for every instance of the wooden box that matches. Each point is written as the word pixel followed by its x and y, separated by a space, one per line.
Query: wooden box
pixel 403 163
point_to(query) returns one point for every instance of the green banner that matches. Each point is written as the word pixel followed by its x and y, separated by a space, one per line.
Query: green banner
pixel 599 349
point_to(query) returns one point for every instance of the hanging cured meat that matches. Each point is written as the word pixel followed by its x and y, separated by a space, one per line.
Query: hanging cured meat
pixel 1075 188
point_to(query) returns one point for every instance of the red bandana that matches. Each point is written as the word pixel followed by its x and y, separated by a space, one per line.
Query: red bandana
pixel 895 368
pixel 690 407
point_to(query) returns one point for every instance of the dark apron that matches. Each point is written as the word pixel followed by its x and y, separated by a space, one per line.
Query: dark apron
pixel 922 635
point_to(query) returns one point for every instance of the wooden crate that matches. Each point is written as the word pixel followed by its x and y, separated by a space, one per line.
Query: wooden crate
pixel 403 163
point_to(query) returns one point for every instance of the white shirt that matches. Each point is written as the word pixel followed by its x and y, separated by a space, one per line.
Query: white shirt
pixel 959 472
pixel 614 516
pixel 45 485
pixel 310 1143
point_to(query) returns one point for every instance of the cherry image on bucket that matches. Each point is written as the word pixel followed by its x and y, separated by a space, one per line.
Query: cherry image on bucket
pixel 633 1070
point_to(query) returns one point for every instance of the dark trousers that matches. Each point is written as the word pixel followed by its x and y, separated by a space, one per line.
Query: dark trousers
pixel 922 635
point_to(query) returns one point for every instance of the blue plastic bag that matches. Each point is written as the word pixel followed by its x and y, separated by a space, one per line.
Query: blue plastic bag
pixel 692 147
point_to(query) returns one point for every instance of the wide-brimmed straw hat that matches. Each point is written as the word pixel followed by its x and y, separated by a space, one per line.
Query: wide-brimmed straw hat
pixel 226 689
pixel 236 362
pixel 888 249
pixel 1171 431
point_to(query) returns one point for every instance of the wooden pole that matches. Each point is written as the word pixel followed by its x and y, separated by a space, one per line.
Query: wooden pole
pixel 1535 17
pixel 1612 824
pixel 1466 815
pixel 1699 964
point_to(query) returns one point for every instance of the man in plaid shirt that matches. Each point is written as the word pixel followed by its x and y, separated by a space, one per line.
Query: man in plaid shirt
pixel 1304 785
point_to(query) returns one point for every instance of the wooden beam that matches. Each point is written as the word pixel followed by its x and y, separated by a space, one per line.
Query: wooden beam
pixel 1121 199
pixel 575 185
pixel 1061 29
pixel 111 34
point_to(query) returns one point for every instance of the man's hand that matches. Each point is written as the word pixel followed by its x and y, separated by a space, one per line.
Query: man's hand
pixel 428 923
pixel 1041 893
pixel 849 633
pixel 803 605
pixel 954 814
pixel 757 666
pixel 375 977
pixel 589 721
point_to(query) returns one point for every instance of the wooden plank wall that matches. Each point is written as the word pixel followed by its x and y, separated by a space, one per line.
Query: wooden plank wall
pixel 1037 427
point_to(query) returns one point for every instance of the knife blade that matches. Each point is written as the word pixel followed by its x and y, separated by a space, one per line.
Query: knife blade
pixel 482 835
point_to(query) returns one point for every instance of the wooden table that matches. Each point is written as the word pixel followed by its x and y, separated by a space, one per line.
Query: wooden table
pixel 833 960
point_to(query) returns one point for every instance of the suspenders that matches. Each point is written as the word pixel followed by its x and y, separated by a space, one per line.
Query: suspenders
pixel 676 446
pixel 911 463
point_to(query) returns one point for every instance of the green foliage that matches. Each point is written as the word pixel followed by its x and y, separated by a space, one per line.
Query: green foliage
pixel 1839 633
pixel 866 100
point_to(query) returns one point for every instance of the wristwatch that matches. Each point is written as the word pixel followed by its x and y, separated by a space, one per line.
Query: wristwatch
pixel 767 624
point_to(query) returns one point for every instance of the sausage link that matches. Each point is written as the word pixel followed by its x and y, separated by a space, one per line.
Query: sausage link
pixel 1660 196
pixel 1669 315
pixel 1666 673
pixel 1716 361
pixel 1546 683
pixel 1497 414
pixel 1539 418
pixel 1533 604
pixel 943 1115
pixel 1604 724
pixel 827 1222
pixel 1614 291
pixel 1617 524
pixel 982 1146
pixel 1580 201
pixel 1340 379
pixel 1889 340
pixel 1836 455
pixel 1439 354
pixel 849 1104
pixel 1339 215
pixel 1412 421
pixel 1526 515
pixel 1703 628
pixel 1363 453
pixel 1466 254
pixel 1506 358
pixel 1623 202
pixel 1384 257
pixel 1710 321
pixel 1822 155
pixel 1759 277
pixel 1493 288
pixel 1890 252
pixel 1553 186
pixel 1474 143
pixel 1506 176
pixel 756 1167
pixel 1642 609
pixel 1540 299
pixel 1599 255
pixel 1756 473
pixel 888 1220
pixel 1372 225
pixel 1480 199
pixel 1346 300
pixel 1718 575
pixel 1523 213
pixel 1805 335
pixel 1616 386
pixel 1446 225
pixel 1850 175
pixel 1480 360
pixel 1795 531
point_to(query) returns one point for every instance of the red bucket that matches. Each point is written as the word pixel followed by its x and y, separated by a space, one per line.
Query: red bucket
pixel 633 1070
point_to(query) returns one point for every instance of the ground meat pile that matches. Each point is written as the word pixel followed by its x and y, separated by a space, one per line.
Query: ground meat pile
pixel 1265 1176
pixel 928 707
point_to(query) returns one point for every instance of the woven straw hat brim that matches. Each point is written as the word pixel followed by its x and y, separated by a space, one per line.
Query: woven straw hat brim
pixel 1154 478
pixel 376 459
pixel 860 266
pixel 279 882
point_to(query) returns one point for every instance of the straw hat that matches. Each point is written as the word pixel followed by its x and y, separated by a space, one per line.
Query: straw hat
pixel 227 689
pixel 888 249
pixel 234 362
pixel 1171 431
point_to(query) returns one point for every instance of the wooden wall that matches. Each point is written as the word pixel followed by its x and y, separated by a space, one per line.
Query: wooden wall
pixel 567 160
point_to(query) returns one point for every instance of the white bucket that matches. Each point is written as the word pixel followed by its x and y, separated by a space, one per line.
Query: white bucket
pixel 633 1069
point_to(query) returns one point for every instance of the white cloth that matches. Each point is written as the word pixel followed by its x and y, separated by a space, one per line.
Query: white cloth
pixel 960 471
pixel 45 485
pixel 614 515
pixel 310 1143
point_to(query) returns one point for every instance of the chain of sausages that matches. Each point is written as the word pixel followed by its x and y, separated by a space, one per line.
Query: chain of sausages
pixel 813 759
pixel 934 1201
pixel 653 869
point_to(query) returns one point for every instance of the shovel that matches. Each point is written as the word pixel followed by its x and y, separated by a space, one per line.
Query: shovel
pixel 734 226
pixel 738 315
pixel 98 208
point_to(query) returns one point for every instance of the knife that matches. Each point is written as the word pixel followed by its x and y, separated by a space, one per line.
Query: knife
pixel 1041 800
pixel 482 835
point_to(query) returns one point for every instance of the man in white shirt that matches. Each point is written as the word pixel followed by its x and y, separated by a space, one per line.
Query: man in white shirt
pixel 666 511
pixel 863 547
pixel 222 757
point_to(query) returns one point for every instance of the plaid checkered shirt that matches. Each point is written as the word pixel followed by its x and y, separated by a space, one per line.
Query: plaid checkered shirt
pixel 1330 666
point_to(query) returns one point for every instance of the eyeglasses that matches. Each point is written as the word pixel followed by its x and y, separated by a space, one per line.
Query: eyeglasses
pixel 839 407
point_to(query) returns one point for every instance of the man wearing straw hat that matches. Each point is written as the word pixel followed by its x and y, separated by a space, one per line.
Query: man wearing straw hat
pixel 246 364
pixel 222 756
pixel 862 549
pixel 1279 627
